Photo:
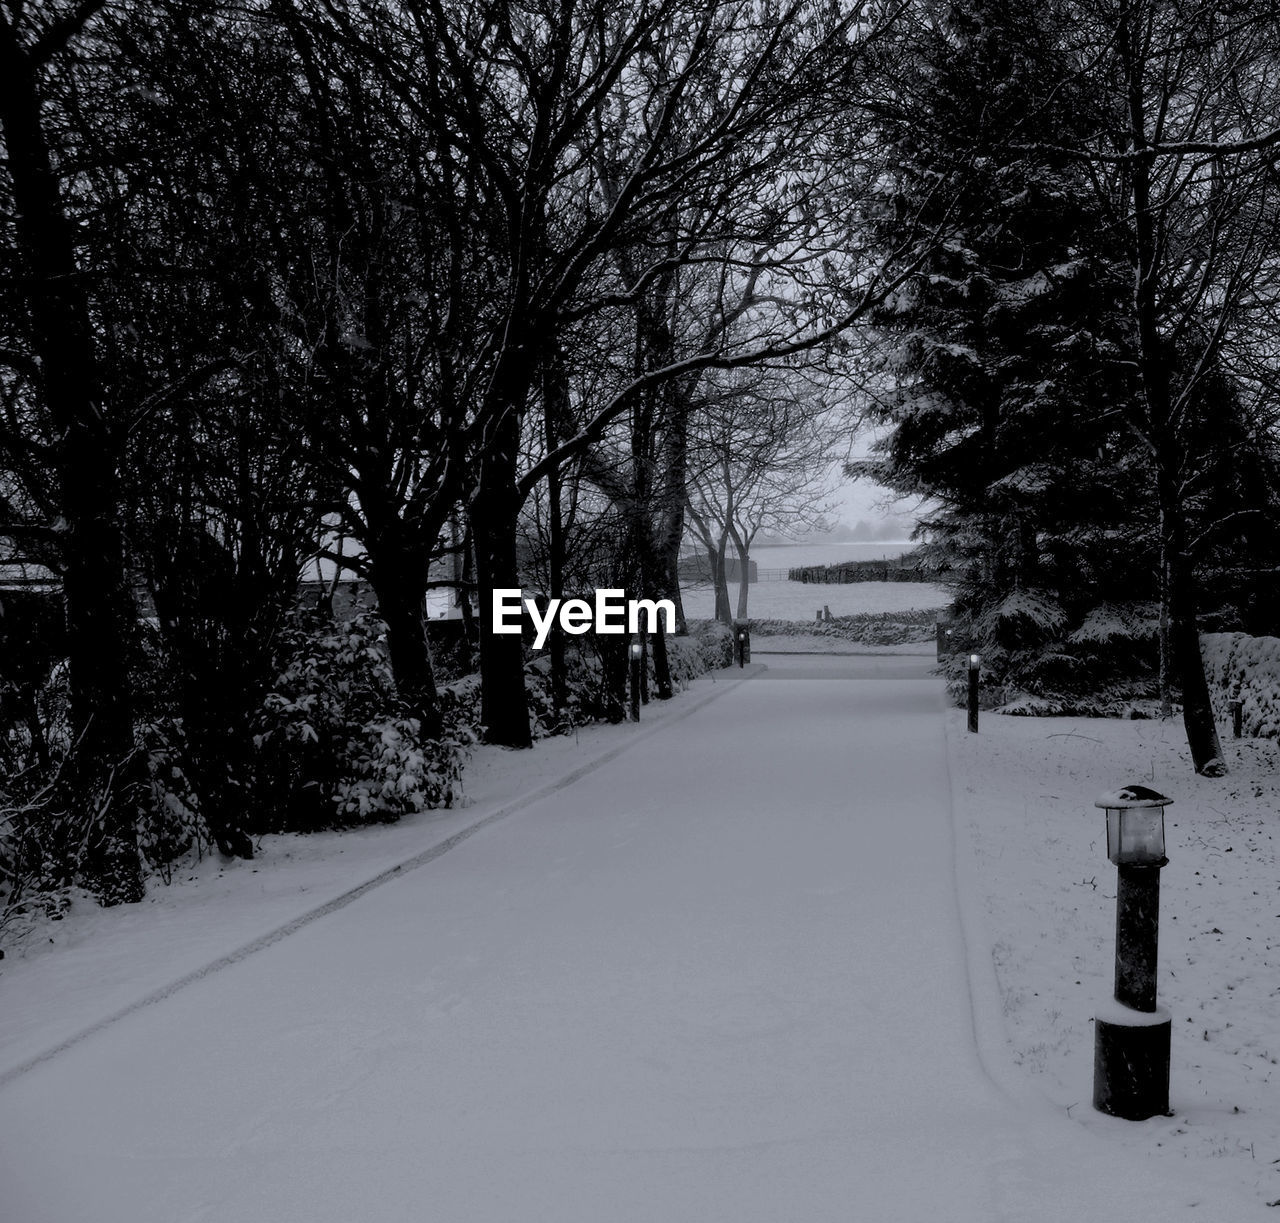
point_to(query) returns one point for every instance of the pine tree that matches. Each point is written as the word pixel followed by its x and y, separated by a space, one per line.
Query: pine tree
pixel 1004 358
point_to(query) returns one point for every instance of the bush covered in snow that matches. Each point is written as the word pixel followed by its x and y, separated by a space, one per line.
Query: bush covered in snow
pixel 584 696
pixel 708 646
pixel 1244 668
pixel 1038 661
pixel 337 747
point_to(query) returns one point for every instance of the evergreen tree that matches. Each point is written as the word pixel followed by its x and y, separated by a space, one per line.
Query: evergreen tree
pixel 1003 360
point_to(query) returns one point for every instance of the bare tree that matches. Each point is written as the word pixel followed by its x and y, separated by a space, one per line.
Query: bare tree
pixel 1183 158
pixel 582 131
pixel 762 455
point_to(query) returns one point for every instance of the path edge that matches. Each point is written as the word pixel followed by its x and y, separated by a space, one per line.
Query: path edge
pixel 986 1010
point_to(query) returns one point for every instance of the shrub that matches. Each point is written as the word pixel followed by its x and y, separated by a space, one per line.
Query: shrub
pixel 1247 669
pixel 171 824
pixel 712 644
pixel 336 744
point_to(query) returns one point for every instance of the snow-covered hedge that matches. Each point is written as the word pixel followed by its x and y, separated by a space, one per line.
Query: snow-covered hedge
pixel 1236 666
pixel 335 747
pixel 336 743
pixel 866 628
pixel 1036 664
pixel 708 646
pixel 1247 668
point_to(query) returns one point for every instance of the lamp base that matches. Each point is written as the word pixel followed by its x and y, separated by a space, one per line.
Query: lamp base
pixel 1131 1064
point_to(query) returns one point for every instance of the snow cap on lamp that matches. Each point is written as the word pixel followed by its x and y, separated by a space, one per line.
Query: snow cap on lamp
pixel 1135 825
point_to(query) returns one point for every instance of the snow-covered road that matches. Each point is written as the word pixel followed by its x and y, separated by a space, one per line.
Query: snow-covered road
pixel 721 979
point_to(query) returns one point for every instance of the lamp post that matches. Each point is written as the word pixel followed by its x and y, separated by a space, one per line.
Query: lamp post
pixel 635 652
pixel 742 644
pixel 1131 1040
pixel 975 664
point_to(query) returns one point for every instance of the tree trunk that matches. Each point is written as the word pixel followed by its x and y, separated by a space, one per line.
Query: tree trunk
pixel 470 629
pixel 662 663
pixel 495 510
pixel 555 642
pixel 400 582
pixel 99 606
pixel 613 665
pixel 744 573
pixel 198 597
pixel 555 407
pixel 1184 641
pixel 670 536
pixel 1179 587
pixel 719 575
pixel 220 759
pixel 1165 656
pixel 653 585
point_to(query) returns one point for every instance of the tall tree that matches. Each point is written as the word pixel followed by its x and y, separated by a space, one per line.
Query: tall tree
pixel 41 49
pixel 224 498
pixel 582 128
pixel 1182 156
pixel 1002 372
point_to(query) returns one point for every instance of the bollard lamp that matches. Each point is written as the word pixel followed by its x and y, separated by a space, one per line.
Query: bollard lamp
pixel 974 661
pixel 1135 826
pixel 1132 1035
pixel 635 651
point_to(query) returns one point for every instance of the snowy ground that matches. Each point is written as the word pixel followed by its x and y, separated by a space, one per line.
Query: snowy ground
pixel 799 600
pixel 1025 789
pixel 67 976
pixel 718 976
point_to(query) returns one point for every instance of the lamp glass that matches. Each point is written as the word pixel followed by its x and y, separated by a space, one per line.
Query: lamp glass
pixel 1135 835
pixel 635 649
pixel 974 661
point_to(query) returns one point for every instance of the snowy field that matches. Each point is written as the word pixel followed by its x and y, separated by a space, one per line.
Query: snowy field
pixel 1025 789
pixel 792 555
pixel 773 600
pixel 799 600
